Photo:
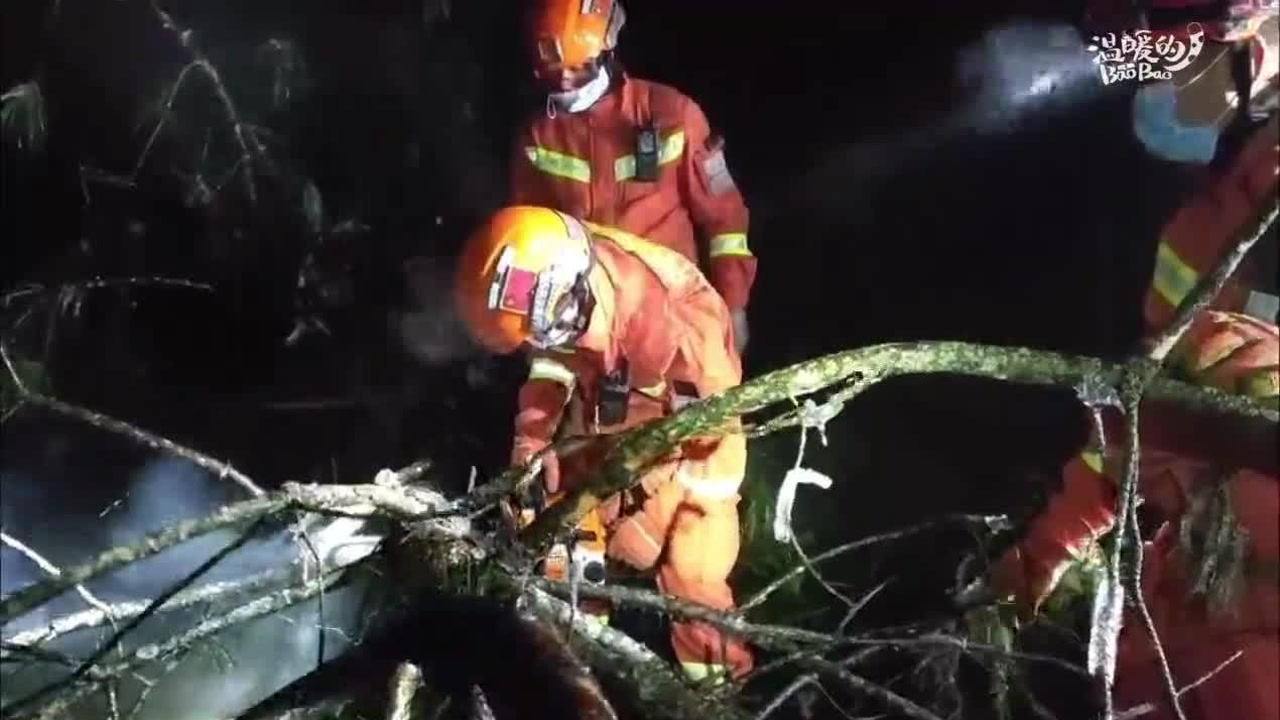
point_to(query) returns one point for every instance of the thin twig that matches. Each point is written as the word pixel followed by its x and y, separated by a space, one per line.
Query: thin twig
pixel 120 427
pixel 91 662
pixel 98 283
pixel 53 571
pixel 251 149
pixel 88 619
pixel 779 637
pixel 785 695
pixel 1148 708
pixel 228 516
pixel 406 503
pixel 864 686
pixel 260 607
pixel 764 593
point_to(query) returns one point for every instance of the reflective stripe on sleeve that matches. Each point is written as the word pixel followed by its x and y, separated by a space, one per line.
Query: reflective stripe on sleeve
pixel 1093 459
pixel 729 244
pixel 559 164
pixel 1173 278
pixel 654 391
pixel 547 369
pixel 624 168
pixel 721 488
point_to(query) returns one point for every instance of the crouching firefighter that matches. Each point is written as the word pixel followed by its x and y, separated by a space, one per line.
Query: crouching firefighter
pixel 628 330
pixel 1211 574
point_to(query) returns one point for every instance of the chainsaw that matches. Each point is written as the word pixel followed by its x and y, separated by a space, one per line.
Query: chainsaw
pixel 579 559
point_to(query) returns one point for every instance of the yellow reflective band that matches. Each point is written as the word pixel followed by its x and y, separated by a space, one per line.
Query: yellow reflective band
pixel 716 674
pixel 624 168
pixel 559 164
pixel 710 488
pixel 600 620
pixel 654 391
pixel 730 244
pixel 547 369
pixel 1172 277
pixel 1093 459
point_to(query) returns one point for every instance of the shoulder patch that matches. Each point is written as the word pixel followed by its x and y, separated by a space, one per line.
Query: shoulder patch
pixel 716 170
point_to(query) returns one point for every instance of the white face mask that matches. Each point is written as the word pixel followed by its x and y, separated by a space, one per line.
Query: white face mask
pixel 584 97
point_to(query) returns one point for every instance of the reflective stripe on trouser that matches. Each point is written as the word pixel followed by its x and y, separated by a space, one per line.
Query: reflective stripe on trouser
pixel 727 244
pixel 559 164
pixel 624 168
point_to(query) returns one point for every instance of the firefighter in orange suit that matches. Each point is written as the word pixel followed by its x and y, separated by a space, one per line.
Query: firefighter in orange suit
pixel 626 319
pixel 628 153
pixel 1211 575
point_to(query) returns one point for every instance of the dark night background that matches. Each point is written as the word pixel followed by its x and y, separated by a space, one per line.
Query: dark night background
pixel 875 218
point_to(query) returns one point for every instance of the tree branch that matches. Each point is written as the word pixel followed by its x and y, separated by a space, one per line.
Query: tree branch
pixel 639 447
pixel 1135 384
pixel 97 617
pixel 119 427
pixel 352 500
pixel 251 149
pixel 866 687
pixel 69 694
pixel 53 571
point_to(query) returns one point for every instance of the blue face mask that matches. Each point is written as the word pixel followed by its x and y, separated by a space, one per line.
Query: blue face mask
pixel 1156 125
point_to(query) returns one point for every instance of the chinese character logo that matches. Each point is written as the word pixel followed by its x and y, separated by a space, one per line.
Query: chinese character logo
pixel 1144 56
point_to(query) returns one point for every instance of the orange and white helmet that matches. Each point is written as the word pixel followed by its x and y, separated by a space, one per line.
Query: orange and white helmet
pixel 522 278
pixel 572 34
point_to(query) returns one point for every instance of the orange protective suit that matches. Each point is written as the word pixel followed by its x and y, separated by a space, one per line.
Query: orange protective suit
pixel 658 317
pixel 1196 492
pixel 584 164
pixel 1202 229
pixel 1195 472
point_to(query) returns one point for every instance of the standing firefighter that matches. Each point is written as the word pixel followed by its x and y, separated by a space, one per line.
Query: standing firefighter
pixel 628 153
pixel 639 331
pixel 1211 575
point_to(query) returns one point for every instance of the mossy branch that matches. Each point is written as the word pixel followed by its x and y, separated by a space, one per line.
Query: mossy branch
pixel 858 369
pixel 353 500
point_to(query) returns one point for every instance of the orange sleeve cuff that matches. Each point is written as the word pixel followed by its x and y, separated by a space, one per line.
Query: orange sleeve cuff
pixel 1081 512
pixel 733 277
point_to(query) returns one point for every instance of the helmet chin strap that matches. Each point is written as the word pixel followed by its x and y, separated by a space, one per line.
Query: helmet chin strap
pixel 582 98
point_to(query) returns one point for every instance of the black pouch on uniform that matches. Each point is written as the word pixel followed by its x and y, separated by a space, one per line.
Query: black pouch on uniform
pixel 647 154
pixel 612 392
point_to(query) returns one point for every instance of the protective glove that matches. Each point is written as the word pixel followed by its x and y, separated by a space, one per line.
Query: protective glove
pixel 523 451
pixel 741 331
